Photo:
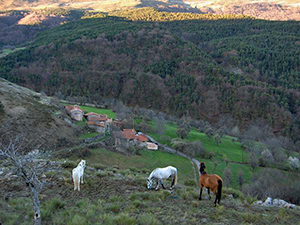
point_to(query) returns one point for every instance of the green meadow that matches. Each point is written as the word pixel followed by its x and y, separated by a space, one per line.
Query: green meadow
pixel 108 112
pixel 229 150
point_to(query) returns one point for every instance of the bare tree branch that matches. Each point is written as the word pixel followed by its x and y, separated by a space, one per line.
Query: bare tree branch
pixel 24 164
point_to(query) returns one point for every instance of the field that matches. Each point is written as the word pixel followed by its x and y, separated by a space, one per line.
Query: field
pixel 115 195
pixel 108 112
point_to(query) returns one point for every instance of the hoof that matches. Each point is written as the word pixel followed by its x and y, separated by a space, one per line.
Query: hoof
pixel 199 199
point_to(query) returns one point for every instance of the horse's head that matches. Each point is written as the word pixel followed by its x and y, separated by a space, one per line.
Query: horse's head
pixel 202 167
pixel 149 183
pixel 82 163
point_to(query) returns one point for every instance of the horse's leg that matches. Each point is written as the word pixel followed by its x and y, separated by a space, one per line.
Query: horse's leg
pixel 200 193
pixel 173 181
pixel 78 187
pixel 214 190
pixel 161 183
pixel 82 178
pixel 208 191
pixel 157 185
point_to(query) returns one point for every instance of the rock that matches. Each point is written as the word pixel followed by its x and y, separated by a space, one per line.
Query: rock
pixel 230 196
pixel 275 202
pixel 258 203
pixel 282 202
pixel 269 201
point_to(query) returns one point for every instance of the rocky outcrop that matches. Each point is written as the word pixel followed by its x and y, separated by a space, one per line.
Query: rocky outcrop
pixel 276 203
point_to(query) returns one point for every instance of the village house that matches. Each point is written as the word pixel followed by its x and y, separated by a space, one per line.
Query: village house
pixel 99 122
pixel 74 112
pixel 129 137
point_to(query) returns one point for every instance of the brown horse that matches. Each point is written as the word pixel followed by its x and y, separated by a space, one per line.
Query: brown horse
pixel 212 182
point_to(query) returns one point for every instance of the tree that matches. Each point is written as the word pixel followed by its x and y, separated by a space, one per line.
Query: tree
pixel 227 176
pixel 183 127
pixel 253 161
pixel 209 131
pixel 217 139
pixel 241 177
pixel 159 125
pixel 10 150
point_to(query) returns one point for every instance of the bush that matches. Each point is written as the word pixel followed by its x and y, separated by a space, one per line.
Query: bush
pixel 83 153
pixel 227 176
pixel 190 183
pixel 147 219
pixel 114 207
pixel 250 217
pixel 235 193
pixel 68 164
pixel 99 166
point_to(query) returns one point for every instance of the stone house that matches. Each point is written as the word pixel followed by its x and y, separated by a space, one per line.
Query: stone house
pixel 74 112
pixel 100 122
pixel 129 137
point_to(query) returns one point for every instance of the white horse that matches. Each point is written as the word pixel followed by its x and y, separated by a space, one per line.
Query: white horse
pixel 162 173
pixel 77 174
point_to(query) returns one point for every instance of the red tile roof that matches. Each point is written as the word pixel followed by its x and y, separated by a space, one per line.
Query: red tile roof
pixel 71 108
pixel 142 138
pixel 96 116
pixel 129 133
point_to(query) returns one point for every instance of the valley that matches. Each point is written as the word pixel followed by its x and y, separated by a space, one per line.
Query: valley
pixel 213 81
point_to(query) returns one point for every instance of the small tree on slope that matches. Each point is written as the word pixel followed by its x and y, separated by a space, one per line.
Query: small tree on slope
pixel 10 150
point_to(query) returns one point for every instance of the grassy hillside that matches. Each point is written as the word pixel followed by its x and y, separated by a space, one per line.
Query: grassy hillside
pixel 119 196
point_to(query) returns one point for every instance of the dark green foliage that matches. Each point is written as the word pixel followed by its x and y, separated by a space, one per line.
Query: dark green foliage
pixel 203 66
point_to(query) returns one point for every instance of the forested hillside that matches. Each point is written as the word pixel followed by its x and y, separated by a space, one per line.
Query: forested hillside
pixel 203 66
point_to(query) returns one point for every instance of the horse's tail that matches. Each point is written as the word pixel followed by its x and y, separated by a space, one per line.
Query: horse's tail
pixel 175 178
pixel 220 183
pixel 75 180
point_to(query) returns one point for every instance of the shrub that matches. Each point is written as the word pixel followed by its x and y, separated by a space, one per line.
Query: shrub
pixel 211 155
pixel 83 153
pixel 125 219
pixel 251 199
pixel 147 219
pixel 77 220
pixel 250 217
pixel 68 164
pixel 138 204
pixel 51 206
pixel 99 166
pixel 233 192
pixel 227 176
pixel 114 207
pixel 102 174
pixel 164 194
pixel 190 183
pixel 115 198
